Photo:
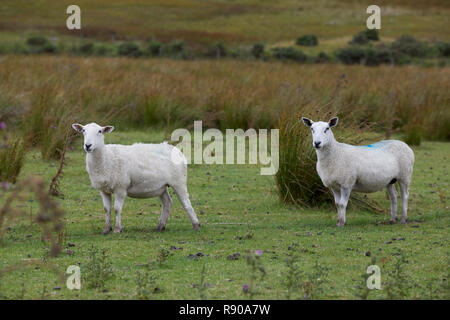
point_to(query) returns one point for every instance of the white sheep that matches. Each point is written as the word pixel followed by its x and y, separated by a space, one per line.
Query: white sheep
pixel 343 167
pixel 137 171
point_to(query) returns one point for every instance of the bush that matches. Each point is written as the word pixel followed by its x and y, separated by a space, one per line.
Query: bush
pixel 86 48
pixel 351 55
pixel 39 44
pixel 372 34
pixel 375 57
pixel 258 50
pixel 129 49
pixel 217 50
pixel 365 36
pixel 409 46
pixel 12 155
pixel 359 39
pixel 103 49
pixel 154 48
pixel 309 40
pixel 443 49
pixel 176 47
pixel 322 57
pixel 289 53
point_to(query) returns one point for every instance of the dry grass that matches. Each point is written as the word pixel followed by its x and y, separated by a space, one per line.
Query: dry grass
pixel 225 94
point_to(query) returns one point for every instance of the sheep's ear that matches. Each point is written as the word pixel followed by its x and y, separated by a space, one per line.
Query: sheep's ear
pixel 77 127
pixel 307 121
pixel 333 122
pixel 108 129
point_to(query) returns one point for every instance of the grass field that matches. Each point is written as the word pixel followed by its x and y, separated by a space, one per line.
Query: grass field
pixel 233 22
pixel 239 211
pixel 248 236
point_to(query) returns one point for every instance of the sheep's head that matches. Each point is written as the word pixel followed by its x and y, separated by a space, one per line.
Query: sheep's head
pixel 321 131
pixel 93 135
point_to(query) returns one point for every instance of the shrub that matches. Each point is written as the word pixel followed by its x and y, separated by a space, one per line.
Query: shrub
pixel 103 49
pixel 322 57
pixel 176 47
pixel 217 50
pixel 409 46
pixel 359 39
pixel 39 44
pixel 258 50
pixel 377 56
pixel 86 48
pixel 351 55
pixel 12 155
pixel 289 53
pixel 221 50
pixel 309 40
pixel 154 48
pixel 365 36
pixel 372 34
pixel 443 48
pixel 130 49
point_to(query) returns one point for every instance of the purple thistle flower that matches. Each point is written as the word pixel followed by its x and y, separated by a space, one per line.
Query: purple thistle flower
pixel 245 288
pixel 4 185
pixel 2 125
pixel 258 253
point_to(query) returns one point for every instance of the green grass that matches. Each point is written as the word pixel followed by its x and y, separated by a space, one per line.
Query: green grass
pixel 239 211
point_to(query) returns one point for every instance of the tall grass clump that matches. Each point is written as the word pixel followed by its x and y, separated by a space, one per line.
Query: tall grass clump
pixel 12 155
pixel 47 123
pixel 297 179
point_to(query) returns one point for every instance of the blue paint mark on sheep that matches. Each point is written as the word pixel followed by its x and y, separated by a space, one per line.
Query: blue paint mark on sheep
pixel 375 145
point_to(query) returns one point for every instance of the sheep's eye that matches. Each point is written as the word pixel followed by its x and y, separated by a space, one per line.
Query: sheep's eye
pixel 326 130
pixel 99 131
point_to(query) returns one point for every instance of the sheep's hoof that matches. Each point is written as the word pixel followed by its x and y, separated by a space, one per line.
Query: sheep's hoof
pixel 403 221
pixel 106 230
pixel 196 226
pixel 340 223
pixel 117 229
pixel 160 227
pixel 392 221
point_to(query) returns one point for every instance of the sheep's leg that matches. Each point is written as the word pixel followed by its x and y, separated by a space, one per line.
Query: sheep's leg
pixel 393 197
pixel 337 199
pixel 183 196
pixel 119 199
pixel 107 207
pixel 345 195
pixel 166 205
pixel 405 193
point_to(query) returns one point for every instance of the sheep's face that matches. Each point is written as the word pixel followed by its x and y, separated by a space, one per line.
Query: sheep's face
pixel 321 131
pixel 93 135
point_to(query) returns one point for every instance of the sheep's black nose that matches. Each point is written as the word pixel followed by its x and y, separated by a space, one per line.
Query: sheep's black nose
pixel 88 146
pixel 317 144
